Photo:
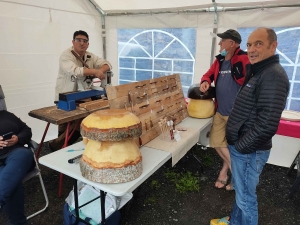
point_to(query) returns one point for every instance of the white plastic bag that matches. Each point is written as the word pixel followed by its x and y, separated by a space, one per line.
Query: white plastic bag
pixel 93 210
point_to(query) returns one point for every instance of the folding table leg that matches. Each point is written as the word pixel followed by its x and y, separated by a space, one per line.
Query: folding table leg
pixel 296 184
pixel 102 202
pixel 293 164
pixel 196 157
pixel 294 188
pixel 61 175
pixel 67 138
pixel 103 195
pixel 76 200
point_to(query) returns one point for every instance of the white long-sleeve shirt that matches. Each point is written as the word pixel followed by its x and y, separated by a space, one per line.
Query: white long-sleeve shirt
pixel 69 65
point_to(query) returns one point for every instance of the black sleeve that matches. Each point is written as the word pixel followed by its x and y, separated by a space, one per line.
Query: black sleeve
pixel 25 133
pixel 19 128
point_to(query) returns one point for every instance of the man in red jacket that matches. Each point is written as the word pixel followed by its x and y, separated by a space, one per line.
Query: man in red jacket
pixel 228 74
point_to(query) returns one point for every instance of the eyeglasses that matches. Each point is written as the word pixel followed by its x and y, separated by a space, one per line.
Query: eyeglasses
pixel 81 39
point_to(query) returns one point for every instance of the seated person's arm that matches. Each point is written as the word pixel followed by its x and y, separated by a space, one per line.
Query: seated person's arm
pixel 25 134
pixel 21 132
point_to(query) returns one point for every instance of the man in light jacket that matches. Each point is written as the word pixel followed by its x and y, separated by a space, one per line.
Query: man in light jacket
pixel 71 67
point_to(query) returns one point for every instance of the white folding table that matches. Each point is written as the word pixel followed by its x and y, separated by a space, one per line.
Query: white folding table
pixel 153 159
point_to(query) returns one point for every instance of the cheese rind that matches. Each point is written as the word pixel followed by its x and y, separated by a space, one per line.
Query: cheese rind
pixel 111 125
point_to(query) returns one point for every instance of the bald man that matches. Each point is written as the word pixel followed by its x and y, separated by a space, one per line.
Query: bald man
pixel 253 122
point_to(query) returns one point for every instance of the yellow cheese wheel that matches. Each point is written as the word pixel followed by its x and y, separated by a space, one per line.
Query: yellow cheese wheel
pixel 109 119
pixel 111 125
pixel 111 162
pixel 201 108
pixel 110 154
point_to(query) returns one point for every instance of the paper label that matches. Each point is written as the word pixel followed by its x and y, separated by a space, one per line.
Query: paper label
pixel 177 136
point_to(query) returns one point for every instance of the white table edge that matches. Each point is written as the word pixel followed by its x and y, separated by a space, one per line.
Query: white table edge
pixel 72 170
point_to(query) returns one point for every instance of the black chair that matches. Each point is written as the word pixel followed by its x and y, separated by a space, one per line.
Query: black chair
pixel 36 172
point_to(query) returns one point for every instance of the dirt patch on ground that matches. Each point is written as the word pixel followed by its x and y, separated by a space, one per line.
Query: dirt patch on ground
pixel 158 201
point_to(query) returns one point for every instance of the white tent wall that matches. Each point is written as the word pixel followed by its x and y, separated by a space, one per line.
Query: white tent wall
pixel 264 17
pixel 33 35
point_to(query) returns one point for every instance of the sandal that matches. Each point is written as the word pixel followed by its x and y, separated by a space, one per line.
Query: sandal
pixel 224 182
pixel 229 187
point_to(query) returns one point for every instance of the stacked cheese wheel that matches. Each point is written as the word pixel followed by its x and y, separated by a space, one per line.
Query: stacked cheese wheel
pixel 111 155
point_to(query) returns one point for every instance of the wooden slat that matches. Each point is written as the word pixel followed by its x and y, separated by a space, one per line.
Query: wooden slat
pixel 150 135
pixel 97 104
pixel 114 92
pixel 82 105
pixel 153 100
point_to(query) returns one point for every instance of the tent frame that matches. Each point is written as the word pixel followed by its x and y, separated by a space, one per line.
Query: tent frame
pixel 215 9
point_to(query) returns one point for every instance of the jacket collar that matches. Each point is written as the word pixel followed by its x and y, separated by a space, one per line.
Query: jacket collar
pixel 87 55
pixel 256 67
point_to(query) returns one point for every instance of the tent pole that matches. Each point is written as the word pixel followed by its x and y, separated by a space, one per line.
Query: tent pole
pixel 103 14
pixel 204 10
pixel 103 36
pixel 215 30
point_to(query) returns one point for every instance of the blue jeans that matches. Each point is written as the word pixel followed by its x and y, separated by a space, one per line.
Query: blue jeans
pixel 17 164
pixel 246 169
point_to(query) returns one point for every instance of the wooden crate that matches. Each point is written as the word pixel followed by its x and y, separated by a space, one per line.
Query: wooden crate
pixel 151 101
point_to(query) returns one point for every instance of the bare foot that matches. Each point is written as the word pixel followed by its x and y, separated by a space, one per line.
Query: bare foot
pixel 229 187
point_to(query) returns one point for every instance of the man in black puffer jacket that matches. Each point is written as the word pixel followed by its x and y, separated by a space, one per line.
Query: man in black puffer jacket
pixel 253 122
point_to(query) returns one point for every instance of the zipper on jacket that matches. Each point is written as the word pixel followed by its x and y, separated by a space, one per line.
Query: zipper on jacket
pixel 244 84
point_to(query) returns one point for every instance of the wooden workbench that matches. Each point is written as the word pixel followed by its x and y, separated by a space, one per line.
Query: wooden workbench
pixel 57 116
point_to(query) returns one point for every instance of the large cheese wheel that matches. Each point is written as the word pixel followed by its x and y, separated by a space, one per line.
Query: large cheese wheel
pixel 200 108
pixel 111 162
pixel 111 125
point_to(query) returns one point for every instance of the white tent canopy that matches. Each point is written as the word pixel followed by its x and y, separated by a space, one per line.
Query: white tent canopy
pixel 118 6
pixel 35 32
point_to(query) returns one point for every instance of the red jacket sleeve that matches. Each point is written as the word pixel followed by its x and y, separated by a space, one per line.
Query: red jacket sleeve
pixel 209 75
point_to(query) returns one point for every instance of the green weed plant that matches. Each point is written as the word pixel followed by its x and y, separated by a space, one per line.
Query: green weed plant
pixel 150 200
pixel 184 182
pixel 154 185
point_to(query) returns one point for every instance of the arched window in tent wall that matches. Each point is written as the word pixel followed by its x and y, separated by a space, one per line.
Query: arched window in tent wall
pixel 145 54
pixel 289 53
